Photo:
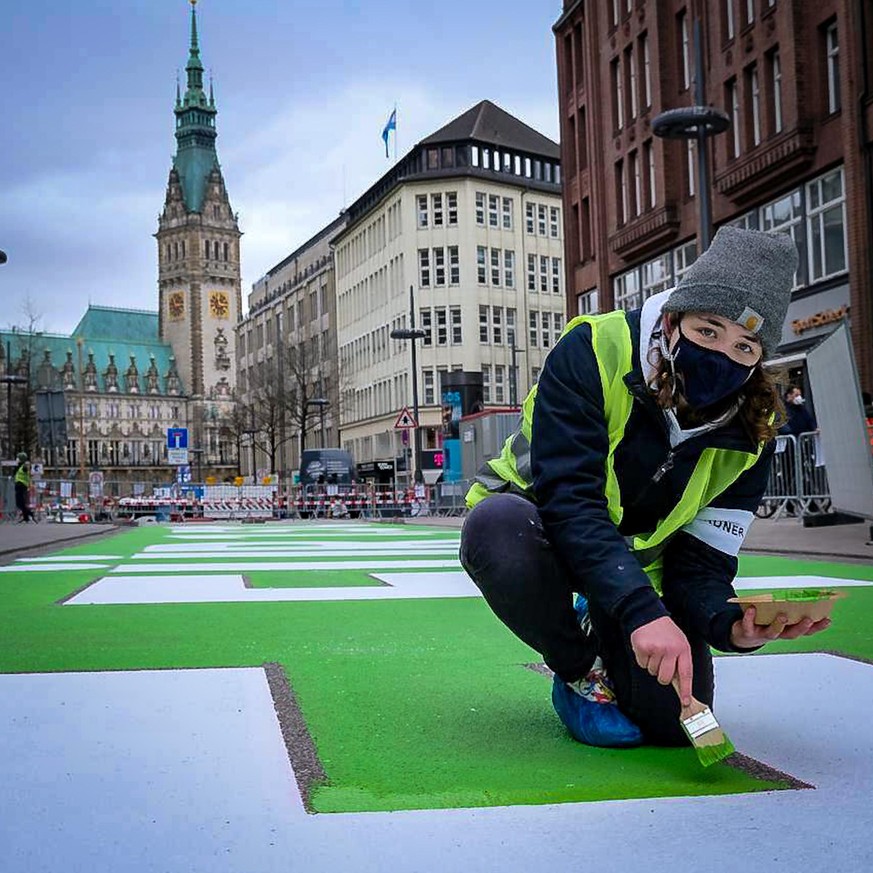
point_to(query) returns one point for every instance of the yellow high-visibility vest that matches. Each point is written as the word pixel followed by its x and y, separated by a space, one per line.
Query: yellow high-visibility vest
pixel 715 471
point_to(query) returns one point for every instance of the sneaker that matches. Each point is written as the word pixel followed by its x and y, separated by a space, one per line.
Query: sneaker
pixel 589 711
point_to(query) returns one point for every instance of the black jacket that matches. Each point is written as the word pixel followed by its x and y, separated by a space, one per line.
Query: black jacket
pixel 569 444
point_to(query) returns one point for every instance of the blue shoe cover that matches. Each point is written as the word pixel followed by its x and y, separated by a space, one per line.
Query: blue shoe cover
pixel 581 607
pixel 595 724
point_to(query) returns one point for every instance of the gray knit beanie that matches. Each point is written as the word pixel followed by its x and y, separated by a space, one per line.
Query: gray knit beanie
pixel 744 275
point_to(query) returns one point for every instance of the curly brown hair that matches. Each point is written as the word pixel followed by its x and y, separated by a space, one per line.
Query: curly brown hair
pixel 761 408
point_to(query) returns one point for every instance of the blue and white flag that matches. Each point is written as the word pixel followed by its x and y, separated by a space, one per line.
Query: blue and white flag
pixel 390 125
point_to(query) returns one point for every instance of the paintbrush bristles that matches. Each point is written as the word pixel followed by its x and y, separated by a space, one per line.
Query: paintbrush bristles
pixel 709 740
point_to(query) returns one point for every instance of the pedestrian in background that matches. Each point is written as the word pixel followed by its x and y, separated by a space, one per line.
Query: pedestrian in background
pixel 800 419
pixel 22 488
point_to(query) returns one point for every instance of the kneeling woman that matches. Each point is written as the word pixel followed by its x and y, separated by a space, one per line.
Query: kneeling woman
pixel 642 455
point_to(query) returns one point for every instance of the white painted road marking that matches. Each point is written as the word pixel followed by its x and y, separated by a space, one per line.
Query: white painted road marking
pixel 174 770
pixel 230 588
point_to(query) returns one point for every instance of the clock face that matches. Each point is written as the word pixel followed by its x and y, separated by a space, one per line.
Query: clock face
pixel 219 304
pixel 176 305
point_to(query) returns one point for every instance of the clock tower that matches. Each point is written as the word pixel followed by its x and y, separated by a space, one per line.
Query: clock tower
pixel 199 260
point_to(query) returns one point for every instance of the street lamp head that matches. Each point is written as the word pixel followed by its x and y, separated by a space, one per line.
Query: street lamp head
pixel 3 257
pixel 407 334
pixel 318 401
pixel 688 122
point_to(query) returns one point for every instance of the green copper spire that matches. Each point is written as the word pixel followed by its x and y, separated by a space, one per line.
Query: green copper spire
pixel 195 128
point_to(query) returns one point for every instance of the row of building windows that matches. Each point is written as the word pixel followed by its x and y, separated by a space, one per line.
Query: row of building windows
pixel 631 86
pixel 371 292
pixel 371 348
pixel 176 250
pixel 499 265
pixel 635 189
pixel 747 7
pixel 511 163
pixel 219 251
pixel 758 110
pixel 432 264
pixel 634 286
pixel 499 210
pixel 437 210
pixel 548 278
pixel 815 217
pixel 371 239
pixel 103 453
pixel 497 326
pixel 754 101
pixel 92 409
pixel 381 398
pixel 542 220
pixel 298 314
pixel 544 328
pixel 441 326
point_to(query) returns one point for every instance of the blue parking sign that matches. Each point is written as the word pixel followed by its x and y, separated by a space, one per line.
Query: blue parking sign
pixel 177 437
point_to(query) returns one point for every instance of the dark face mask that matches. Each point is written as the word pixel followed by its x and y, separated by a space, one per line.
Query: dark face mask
pixel 707 375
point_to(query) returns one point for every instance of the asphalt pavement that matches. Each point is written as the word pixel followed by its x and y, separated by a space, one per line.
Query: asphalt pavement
pixel 784 536
pixel 32 537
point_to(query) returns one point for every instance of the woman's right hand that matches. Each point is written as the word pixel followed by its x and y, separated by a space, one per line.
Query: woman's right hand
pixel 662 649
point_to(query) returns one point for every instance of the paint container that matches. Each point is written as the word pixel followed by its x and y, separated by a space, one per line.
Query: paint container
pixel 796 604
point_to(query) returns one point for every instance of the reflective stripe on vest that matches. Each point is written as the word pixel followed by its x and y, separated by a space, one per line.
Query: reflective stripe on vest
pixel 716 469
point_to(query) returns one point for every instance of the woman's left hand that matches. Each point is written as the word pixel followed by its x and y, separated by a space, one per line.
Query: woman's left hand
pixel 746 634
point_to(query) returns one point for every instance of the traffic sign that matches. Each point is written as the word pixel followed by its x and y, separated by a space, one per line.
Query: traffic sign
pixel 405 421
pixel 183 474
pixel 177 437
pixel 177 457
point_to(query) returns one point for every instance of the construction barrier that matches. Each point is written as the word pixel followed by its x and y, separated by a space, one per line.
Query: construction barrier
pixel 238 502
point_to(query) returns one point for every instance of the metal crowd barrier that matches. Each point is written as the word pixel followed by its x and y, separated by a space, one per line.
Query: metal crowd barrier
pixel 798 483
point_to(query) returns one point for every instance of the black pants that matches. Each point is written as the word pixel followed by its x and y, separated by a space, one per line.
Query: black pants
pixel 21 501
pixel 505 550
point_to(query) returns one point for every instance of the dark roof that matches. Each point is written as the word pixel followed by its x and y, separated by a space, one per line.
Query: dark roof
pixel 486 122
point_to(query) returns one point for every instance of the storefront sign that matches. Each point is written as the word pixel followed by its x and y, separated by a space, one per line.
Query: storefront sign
pixel 829 316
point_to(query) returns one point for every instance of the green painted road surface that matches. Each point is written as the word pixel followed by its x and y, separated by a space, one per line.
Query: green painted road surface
pixel 411 704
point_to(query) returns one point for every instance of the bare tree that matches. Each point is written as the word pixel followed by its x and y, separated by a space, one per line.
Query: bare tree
pixel 20 361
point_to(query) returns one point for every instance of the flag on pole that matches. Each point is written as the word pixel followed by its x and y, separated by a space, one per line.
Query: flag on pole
pixel 389 126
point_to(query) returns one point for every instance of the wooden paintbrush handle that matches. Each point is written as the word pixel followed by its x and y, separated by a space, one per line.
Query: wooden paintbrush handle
pixel 693 708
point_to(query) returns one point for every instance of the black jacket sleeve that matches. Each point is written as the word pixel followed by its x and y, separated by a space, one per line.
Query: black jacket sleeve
pixel 569 447
pixel 698 578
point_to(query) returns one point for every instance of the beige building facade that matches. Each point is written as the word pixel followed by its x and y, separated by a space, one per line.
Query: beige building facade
pixel 288 379
pixel 469 226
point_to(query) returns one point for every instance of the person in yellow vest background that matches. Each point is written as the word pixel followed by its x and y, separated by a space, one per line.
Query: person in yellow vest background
pixel 631 483
pixel 22 488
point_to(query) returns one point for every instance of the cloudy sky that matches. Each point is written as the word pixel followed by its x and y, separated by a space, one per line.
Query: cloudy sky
pixel 303 89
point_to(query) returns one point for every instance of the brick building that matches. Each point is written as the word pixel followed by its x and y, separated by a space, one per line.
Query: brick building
pixel 795 81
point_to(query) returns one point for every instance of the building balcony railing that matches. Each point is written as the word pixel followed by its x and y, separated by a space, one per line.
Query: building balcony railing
pixel 767 165
pixel 646 231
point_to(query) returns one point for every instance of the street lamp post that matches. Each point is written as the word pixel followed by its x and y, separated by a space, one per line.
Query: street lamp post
pixel 697 122
pixel 412 335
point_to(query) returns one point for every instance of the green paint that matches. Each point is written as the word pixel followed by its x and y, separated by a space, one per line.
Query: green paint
pixel 767 565
pixel 311 579
pixel 411 704
pixel 804 594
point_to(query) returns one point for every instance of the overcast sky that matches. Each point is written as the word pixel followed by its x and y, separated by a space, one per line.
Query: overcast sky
pixel 303 89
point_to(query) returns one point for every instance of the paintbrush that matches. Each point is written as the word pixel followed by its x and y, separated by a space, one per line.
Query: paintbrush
pixel 700 726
